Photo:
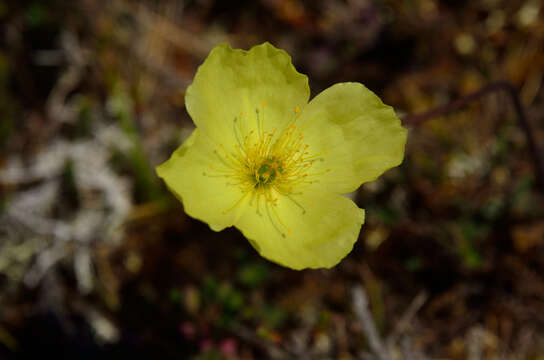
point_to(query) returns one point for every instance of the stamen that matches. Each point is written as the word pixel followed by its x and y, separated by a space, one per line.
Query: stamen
pixel 267 166
pixel 224 212
pixel 297 204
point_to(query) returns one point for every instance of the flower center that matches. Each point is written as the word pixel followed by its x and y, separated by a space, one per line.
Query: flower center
pixel 267 172
pixel 267 165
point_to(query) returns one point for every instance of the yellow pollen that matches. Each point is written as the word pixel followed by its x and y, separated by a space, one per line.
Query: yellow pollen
pixel 297 109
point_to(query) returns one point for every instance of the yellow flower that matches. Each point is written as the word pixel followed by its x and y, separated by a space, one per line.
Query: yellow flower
pixel 266 161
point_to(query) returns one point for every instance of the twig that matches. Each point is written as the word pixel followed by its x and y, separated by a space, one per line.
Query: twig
pixel 360 304
pixel 407 349
pixel 405 321
pixel 77 57
pixel 523 122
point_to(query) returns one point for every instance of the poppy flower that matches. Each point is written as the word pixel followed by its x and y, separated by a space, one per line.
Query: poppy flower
pixel 265 160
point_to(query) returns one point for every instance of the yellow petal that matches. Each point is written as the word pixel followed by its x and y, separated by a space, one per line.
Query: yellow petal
pixel 191 175
pixel 238 83
pixel 357 136
pixel 314 231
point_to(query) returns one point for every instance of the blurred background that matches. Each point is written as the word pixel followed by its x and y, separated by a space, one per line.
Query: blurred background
pixel 97 259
